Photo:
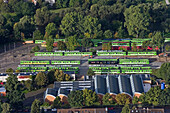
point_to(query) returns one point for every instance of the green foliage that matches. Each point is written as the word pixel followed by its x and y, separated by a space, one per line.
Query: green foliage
pixel 121 32
pixel 50 76
pixel 5 108
pixel 71 43
pixel 49 43
pixel 122 99
pixel 106 46
pixel 41 79
pixel 57 102
pixel 157 39
pixel 164 72
pixel 108 34
pixel 43 16
pixel 135 100
pixel 35 49
pixel 75 99
pixel 137 19
pixel 28 84
pixel 35 107
pixel 134 46
pixel 14 93
pixel 145 44
pixel 164 98
pixel 37 35
pixel 61 76
pixel 90 72
pixel 108 99
pixel 153 95
pixel 126 109
pixel 90 97
pixel 86 42
pixel 51 29
pixel 9 70
pixel 61 45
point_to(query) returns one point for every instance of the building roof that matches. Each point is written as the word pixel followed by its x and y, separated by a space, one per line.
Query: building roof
pixel 113 84
pixel 63 91
pixel 125 84
pixel 100 84
pixel 51 91
pixel 145 76
pixel 138 84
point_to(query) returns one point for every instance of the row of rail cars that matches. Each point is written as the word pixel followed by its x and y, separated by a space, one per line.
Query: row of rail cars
pixel 98 53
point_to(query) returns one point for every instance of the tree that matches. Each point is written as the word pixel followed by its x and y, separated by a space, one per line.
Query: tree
pixel 134 46
pixel 49 43
pixel 106 46
pixel 28 85
pixel 35 49
pixel 157 39
pixel 37 35
pixel 41 79
pixel 125 109
pixel 67 77
pixel 9 70
pixel 90 72
pixel 57 102
pixel 122 99
pixel 91 26
pixel 35 107
pixel 108 99
pixel 108 34
pixel 14 92
pixel 152 96
pixel 90 97
pixel 43 16
pixel 71 43
pixel 61 45
pixel 145 44
pixel 164 98
pixel 135 100
pixel 70 24
pixel 164 72
pixel 26 26
pixel 137 19
pixel 121 32
pixel 86 42
pixel 50 76
pixel 5 108
pixel 51 29
pixel 75 99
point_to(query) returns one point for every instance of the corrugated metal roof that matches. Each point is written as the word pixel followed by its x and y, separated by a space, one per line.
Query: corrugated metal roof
pixel 113 84
pixel 101 84
pixel 126 85
pixel 138 83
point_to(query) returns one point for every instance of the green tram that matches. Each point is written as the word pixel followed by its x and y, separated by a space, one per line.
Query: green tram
pixel 75 69
pixel 137 71
pixel 124 70
pixel 48 53
pixel 102 61
pixel 111 53
pixel 133 61
pixel 78 53
pixel 43 69
pixel 32 69
pixel 141 53
pixel 34 62
pixel 64 62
